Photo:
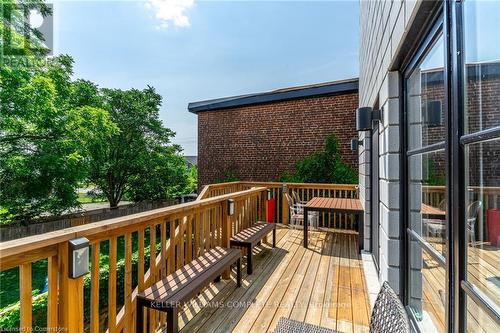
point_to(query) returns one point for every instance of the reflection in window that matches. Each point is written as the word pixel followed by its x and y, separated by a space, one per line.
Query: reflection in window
pixel 427 198
pixel 427 290
pixel 478 320
pixel 482 69
pixel 483 217
pixel 425 94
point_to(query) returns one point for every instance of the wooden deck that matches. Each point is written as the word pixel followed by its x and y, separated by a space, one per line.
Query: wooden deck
pixel 322 285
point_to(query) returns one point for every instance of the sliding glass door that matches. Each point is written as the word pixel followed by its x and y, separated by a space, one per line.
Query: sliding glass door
pixel 452 172
pixel 426 185
pixel 480 141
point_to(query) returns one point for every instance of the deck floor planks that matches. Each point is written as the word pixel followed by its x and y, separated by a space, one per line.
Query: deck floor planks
pixel 265 317
pixel 360 305
pixel 316 304
pixel 299 310
pixel 206 321
pixel 344 311
pixel 293 282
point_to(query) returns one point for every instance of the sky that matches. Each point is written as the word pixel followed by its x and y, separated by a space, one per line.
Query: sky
pixel 196 50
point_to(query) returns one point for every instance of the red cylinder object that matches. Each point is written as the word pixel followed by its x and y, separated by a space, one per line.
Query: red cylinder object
pixel 493 224
pixel 271 210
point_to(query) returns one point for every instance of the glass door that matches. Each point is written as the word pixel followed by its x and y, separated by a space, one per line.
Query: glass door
pixel 425 99
pixel 480 143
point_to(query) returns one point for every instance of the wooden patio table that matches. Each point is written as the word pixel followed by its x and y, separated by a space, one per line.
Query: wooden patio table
pixel 337 205
pixel 430 212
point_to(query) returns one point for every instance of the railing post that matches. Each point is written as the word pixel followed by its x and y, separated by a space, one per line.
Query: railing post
pixel 226 232
pixel 70 295
pixel 284 206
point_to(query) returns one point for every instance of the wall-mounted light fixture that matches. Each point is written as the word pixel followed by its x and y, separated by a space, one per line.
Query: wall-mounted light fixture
pixel 355 143
pixel 230 207
pixel 365 116
pixel 269 194
pixel 78 257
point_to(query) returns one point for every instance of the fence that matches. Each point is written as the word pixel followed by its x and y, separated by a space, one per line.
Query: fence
pixel 43 225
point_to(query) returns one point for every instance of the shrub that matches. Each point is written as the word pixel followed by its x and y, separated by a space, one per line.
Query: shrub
pixel 324 166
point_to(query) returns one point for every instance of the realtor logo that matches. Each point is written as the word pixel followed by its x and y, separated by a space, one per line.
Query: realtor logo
pixel 28 28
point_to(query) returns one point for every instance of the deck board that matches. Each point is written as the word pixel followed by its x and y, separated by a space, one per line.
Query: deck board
pixel 288 281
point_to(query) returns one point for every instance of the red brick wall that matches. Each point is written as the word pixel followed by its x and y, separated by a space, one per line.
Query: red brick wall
pixel 260 142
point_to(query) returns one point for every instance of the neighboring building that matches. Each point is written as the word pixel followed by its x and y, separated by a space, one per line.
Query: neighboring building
pixel 429 170
pixel 260 136
pixel 191 161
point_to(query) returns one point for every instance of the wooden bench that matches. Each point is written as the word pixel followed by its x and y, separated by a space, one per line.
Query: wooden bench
pixel 171 293
pixel 249 237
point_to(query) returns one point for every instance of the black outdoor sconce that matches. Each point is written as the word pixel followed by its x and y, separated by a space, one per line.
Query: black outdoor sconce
pixel 365 116
pixel 355 143
pixel 230 207
pixel 78 257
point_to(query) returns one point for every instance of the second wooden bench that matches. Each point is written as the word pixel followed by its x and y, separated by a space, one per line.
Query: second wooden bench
pixel 249 237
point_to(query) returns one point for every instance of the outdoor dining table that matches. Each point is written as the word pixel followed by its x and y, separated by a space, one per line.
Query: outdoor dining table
pixel 430 212
pixel 335 205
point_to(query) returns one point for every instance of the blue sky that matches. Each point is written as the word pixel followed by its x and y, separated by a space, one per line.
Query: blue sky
pixel 205 50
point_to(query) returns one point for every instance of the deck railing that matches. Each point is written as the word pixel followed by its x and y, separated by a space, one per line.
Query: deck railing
pixel 305 192
pixel 435 196
pixel 164 240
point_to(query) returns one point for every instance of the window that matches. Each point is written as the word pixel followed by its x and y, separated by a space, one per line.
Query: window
pixel 481 146
pixel 452 172
pixel 426 186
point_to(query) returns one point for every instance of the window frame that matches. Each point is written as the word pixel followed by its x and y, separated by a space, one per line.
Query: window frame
pixel 448 21
pixel 436 30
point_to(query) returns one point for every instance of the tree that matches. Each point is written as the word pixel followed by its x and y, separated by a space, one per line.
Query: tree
pixel 139 161
pixel 44 139
pixel 325 166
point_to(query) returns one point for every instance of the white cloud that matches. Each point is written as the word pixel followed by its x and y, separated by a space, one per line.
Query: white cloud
pixel 171 12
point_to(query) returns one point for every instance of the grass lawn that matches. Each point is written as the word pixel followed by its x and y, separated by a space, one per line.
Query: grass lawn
pixel 84 198
pixel 9 279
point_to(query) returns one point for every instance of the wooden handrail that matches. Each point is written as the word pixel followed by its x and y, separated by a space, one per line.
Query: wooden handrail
pixel 32 243
pixel 181 232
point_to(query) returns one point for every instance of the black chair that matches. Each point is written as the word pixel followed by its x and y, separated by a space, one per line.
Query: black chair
pixel 388 316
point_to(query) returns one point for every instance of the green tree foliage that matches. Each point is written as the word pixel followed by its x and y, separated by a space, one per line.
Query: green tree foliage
pixel 325 166
pixel 56 132
pixel 138 162
pixel 192 180
pixel 44 138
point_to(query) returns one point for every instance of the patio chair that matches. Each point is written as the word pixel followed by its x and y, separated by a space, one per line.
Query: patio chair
pixel 296 198
pixel 388 316
pixel 473 211
pixel 297 213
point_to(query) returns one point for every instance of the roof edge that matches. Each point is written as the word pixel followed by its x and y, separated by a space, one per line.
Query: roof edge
pixel 331 88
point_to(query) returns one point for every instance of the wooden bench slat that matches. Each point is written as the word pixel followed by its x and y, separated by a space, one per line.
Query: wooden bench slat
pixel 178 288
pixel 197 285
pixel 254 233
pixel 250 236
pixel 161 291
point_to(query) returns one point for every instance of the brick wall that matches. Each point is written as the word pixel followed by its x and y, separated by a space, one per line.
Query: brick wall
pixel 260 142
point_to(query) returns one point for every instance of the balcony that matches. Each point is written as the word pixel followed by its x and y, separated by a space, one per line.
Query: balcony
pixel 323 284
